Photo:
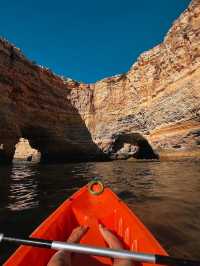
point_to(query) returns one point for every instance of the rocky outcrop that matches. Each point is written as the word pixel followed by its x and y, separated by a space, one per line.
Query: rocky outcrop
pixel 34 105
pixel 23 151
pixel 152 110
pixel 158 98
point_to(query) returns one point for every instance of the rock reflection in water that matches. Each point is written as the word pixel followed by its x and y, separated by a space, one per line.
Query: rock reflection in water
pixel 23 192
pixel 165 196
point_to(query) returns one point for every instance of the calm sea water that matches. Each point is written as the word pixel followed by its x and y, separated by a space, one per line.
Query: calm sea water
pixel 165 195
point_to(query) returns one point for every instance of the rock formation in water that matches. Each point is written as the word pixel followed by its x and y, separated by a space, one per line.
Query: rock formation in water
pixel 23 151
pixel 157 102
pixel 152 110
pixel 34 105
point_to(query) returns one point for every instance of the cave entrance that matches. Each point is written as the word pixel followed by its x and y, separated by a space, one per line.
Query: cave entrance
pixel 132 145
pixel 24 151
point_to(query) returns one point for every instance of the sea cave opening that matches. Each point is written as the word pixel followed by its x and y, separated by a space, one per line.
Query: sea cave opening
pixel 133 145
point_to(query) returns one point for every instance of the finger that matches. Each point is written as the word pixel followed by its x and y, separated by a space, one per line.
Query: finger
pixel 63 257
pixel 114 242
pixel 76 234
pixel 110 238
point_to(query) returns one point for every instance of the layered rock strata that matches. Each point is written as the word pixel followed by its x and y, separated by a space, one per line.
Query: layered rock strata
pixel 159 97
pixel 34 105
pixel 152 110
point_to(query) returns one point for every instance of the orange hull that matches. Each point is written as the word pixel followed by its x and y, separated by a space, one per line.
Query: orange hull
pixel 84 208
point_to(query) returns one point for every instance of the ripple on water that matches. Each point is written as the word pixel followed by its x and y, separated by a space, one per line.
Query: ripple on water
pixel 165 195
pixel 23 189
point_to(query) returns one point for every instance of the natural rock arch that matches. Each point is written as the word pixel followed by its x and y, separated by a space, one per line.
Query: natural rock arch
pixel 131 145
pixel 35 104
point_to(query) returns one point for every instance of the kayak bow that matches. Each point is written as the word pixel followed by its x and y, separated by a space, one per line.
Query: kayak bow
pixel 91 205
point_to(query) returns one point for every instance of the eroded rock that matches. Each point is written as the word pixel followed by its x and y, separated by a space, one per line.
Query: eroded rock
pixel 35 105
pixel 23 151
pixel 158 99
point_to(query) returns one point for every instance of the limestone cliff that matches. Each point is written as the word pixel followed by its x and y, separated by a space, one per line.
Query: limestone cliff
pixel 34 105
pixel 159 97
pixel 23 151
pixel 153 109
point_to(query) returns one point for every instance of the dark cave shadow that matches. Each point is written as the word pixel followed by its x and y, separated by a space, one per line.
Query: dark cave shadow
pixel 145 151
pixel 57 131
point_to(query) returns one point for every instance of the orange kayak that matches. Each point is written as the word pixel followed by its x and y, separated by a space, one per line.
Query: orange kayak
pixel 91 205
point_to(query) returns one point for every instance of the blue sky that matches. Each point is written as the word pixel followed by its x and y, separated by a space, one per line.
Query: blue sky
pixel 87 40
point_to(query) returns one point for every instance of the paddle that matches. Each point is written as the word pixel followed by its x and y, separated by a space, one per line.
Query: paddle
pixel 106 252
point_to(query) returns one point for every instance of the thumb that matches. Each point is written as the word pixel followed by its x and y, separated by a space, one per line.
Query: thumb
pixel 114 242
pixel 110 238
pixel 76 234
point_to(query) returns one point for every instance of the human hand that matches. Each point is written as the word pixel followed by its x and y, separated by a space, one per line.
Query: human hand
pixel 114 242
pixel 63 257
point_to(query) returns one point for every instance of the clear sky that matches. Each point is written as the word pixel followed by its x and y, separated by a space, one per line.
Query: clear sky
pixel 87 40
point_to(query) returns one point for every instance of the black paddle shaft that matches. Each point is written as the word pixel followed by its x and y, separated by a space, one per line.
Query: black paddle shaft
pixel 34 242
pixel 157 259
pixel 165 260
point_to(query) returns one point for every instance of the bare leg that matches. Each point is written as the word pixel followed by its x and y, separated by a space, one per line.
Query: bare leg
pixel 63 257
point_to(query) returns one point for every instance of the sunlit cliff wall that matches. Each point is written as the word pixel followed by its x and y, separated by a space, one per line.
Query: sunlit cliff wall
pixel 34 105
pixel 159 97
pixel 152 110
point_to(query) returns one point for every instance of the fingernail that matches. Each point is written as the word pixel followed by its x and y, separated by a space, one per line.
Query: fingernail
pixel 85 227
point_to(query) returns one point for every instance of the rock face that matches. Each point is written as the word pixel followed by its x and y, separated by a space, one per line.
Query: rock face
pixel 23 151
pixel 151 111
pixel 34 105
pixel 159 97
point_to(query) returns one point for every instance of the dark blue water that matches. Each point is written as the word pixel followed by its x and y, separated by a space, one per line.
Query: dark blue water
pixel 165 195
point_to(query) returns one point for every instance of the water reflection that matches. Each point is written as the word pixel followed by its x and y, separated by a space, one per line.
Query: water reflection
pixel 128 178
pixel 165 195
pixel 23 191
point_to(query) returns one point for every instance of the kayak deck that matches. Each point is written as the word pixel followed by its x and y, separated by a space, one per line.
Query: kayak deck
pixel 85 208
